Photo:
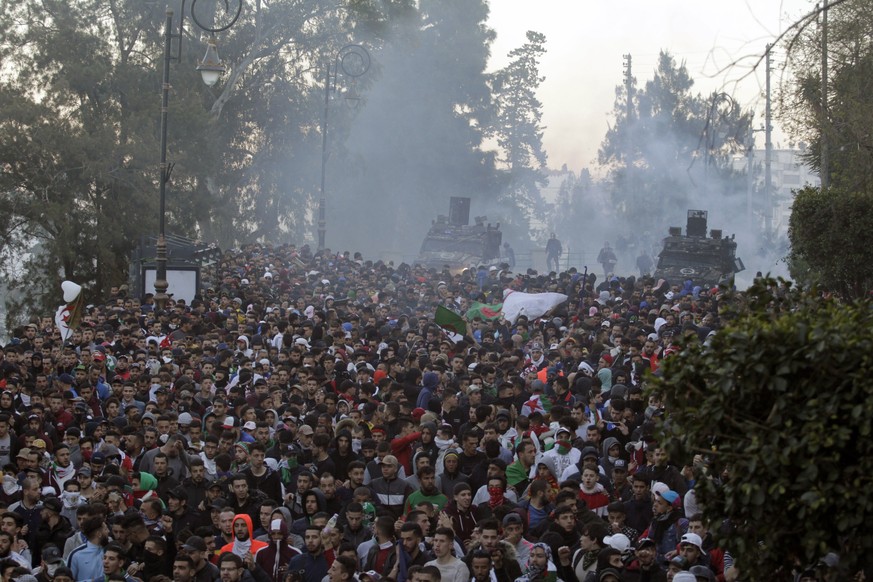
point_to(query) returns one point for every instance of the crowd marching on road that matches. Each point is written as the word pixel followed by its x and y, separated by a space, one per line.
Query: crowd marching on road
pixel 304 419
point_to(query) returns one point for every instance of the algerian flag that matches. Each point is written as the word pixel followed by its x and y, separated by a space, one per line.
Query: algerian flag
pixel 69 315
pixel 450 321
pixel 484 311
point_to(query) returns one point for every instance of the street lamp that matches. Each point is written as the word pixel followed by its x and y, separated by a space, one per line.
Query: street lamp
pixel 713 131
pixel 353 60
pixel 210 69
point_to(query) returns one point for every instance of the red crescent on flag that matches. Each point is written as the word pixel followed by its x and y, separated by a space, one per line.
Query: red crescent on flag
pixel 488 312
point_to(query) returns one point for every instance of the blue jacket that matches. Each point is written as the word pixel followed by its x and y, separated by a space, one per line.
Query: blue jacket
pixel 313 568
pixel 86 562
pixel 424 398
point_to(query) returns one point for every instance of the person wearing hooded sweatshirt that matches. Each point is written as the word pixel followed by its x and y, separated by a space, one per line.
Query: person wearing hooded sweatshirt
pixel 283 513
pixel 419 460
pixel 429 384
pixel 313 502
pixel 242 345
pixel 449 472
pixel 243 541
pixel 611 448
pixel 343 454
pixel 428 445
pixel 274 557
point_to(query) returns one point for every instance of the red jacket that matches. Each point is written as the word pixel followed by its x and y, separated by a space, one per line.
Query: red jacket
pixel 401 447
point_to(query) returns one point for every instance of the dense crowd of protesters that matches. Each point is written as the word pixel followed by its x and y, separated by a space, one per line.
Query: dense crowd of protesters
pixel 304 419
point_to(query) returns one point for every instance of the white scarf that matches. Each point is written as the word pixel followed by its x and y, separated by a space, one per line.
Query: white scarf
pixel 10 485
pixel 442 444
pixel 242 549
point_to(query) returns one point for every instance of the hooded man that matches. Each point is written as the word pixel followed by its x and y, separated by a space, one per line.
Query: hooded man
pixel 429 385
pixel 274 558
pixel 313 502
pixel 243 541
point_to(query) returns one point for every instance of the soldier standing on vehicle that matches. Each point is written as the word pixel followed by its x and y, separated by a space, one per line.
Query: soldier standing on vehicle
pixel 553 253
pixel 509 254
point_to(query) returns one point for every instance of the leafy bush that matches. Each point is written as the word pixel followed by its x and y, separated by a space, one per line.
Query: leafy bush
pixel 780 406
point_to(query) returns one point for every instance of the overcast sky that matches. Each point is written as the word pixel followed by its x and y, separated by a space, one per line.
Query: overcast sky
pixel 585 41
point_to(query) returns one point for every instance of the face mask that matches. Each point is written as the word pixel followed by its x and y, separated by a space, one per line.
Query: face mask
pixel 356 445
pixel 70 498
pixel 10 485
pixel 292 462
pixel 51 569
pixel 563 447
pixel 442 444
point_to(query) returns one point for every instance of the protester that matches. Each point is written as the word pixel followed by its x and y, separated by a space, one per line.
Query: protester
pixel 265 430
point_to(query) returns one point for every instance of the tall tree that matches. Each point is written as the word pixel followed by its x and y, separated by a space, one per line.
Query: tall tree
pixel 825 227
pixel 517 127
pixel 418 139
pixel 79 130
pixel 844 123
pixel 673 150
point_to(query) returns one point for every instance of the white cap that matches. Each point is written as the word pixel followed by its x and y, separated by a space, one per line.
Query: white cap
pixel 693 539
pixel 185 419
pixel 249 426
pixel 275 525
pixel 618 541
pixel 659 487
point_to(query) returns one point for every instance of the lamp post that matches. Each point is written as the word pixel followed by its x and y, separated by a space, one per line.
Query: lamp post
pixel 711 130
pixel 353 60
pixel 210 69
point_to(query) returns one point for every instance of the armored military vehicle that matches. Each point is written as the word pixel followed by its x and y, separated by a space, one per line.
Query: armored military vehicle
pixel 704 260
pixel 453 242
